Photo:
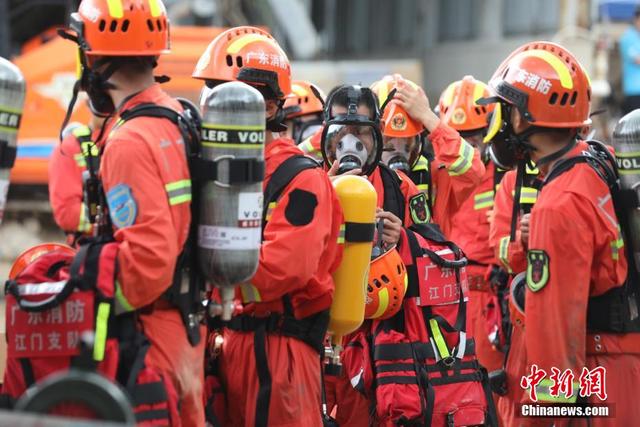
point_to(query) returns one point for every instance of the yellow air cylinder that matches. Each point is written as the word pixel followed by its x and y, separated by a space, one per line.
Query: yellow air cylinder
pixel 358 200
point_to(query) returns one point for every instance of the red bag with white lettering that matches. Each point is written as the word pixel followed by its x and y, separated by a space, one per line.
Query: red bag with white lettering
pixel 53 297
pixel 425 364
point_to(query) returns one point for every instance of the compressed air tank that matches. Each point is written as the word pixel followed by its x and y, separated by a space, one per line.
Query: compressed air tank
pixel 626 142
pixel 12 94
pixel 229 230
pixel 358 201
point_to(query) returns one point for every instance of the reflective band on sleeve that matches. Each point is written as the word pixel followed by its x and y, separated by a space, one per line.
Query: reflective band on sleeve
pixel 543 391
pixel 115 8
pixel 250 293
pixel 102 321
pixel 84 225
pixel 270 209
pixel 341 234
pixel 616 245
pixel 464 161
pixel 423 188
pixel 441 344
pixel 81 131
pixel 307 146
pixel 483 200
pixel 504 253
pixel 122 302
pixel 179 191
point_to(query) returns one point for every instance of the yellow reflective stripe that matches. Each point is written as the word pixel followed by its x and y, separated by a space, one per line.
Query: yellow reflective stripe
pixel 532 170
pixel 383 303
pixel 178 191
pixel 616 245
pixel 102 321
pixel 423 187
pixel 89 148
pixel 441 344
pixel 528 195
pixel 238 146
pixel 250 293
pixel 464 161
pixel 556 63
pixel 543 391
pixel 483 200
pixel 84 225
pixel 155 8
pixel 421 165
pixel 341 234
pixel 115 8
pixel 245 40
pixel 270 209
pixel 231 127
pixel 307 146
pixel 80 161
pixel 504 252
pixel 8 129
pixel 121 300
pixel 447 97
pixel 478 91
pixel 81 131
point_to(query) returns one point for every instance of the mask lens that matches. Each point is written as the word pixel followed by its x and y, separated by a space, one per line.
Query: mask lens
pixel 352 145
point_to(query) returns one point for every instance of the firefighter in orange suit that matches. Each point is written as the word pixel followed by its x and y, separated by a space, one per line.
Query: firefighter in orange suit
pixel 146 180
pixel 270 358
pixel 470 228
pixel 66 167
pixel 303 112
pixel 452 170
pixel 575 251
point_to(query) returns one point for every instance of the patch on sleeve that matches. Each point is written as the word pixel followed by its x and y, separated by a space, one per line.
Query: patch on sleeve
pixel 419 209
pixel 537 269
pixel 123 208
pixel 301 207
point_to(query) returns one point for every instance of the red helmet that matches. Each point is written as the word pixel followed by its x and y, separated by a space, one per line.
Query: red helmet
pixel 35 252
pixel 121 27
pixel 246 54
pixel 547 85
pixel 458 108
pixel 386 286
pixel 303 101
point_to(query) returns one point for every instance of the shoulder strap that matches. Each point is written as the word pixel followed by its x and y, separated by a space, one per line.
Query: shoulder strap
pixel 282 176
pixel 394 201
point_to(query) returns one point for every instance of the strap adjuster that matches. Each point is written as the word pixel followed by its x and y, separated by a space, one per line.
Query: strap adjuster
pixel 236 170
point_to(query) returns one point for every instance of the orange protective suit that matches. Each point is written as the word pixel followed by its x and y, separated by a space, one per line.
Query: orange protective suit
pixel 146 180
pixel 575 252
pixel 470 232
pixel 455 172
pixel 298 255
pixel 66 167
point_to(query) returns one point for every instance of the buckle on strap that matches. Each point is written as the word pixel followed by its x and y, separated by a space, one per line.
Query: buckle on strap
pixel 228 170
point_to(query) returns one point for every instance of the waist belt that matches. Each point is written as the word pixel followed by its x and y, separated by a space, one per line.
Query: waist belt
pixel 310 330
pixel 400 351
pixel 598 343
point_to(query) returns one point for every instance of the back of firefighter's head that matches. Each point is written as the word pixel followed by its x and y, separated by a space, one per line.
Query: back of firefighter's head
pixel 303 110
pixel 119 41
pixel 402 135
pixel 252 56
pixel 351 134
pixel 459 110
pixel 543 98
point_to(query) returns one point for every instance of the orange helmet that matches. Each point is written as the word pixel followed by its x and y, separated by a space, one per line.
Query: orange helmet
pixel 303 101
pixel 386 286
pixel 458 108
pixel 547 85
pixel 121 27
pixel 246 54
pixel 397 123
pixel 33 253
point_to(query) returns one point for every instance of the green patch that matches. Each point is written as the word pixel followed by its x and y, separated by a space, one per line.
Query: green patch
pixel 419 209
pixel 537 269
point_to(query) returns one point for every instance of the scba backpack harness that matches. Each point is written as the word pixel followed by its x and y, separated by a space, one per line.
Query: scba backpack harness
pixel 616 311
pixel 419 366
pixel 52 304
